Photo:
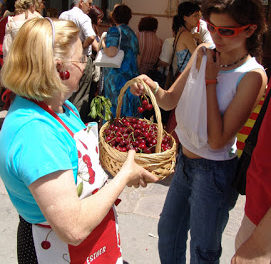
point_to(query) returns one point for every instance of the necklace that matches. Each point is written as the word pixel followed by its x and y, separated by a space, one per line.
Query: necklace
pixel 229 65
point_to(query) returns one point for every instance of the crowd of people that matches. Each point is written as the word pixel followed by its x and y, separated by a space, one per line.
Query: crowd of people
pixel 49 159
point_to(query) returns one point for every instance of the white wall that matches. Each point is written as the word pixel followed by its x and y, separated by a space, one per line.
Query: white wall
pixel 152 7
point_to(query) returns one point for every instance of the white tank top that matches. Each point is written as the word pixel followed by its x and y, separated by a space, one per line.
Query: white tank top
pixel 226 89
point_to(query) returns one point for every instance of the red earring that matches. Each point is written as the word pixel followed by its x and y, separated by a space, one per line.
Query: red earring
pixel 64 75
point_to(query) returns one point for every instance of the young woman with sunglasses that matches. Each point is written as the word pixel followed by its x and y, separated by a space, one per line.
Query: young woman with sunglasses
pixel 200 195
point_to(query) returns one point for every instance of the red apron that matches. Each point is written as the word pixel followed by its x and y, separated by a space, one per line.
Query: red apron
pixel 102 246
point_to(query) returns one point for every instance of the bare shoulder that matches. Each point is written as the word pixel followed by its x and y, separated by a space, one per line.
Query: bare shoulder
pixel 256 78
pixel 252 85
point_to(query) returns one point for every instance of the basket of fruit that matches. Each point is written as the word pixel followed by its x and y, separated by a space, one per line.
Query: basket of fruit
pixel 155 148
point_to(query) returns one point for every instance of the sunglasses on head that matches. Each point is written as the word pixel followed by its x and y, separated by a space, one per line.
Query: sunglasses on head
pixel 226 31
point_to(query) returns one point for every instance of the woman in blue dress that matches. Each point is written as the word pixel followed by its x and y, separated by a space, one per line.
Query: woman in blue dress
pixel 115 78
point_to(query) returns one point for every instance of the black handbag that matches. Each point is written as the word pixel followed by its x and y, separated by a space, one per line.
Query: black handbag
pixel 239 182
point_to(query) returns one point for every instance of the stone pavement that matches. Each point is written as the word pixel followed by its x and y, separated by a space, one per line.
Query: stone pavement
pixel 138 217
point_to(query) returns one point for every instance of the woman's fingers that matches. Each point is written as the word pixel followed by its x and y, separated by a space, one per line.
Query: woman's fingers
pixel 142 183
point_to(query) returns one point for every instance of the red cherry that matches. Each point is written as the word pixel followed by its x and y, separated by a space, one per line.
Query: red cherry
pixel 45 244
pixel 140 109
pixel 142 146
pixel 118 134
pixel 147 151
pixel 145 102
pixel 118 139
pixel 149 107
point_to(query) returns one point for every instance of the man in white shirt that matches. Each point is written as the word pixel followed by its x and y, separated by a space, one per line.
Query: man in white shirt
pixel 87 86
pixel 79 15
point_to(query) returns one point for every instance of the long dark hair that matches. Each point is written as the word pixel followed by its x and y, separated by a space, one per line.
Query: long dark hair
pixel 184 9
pixel 244 12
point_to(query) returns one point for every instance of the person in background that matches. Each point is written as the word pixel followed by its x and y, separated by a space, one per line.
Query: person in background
pixel 8 7
pixel 252 241
pixel 184 45
pixel 201 193
pixel 149 44
pixel 96 15
pixel 55 181
pixel 41 7
pixel 115 79
pixel 201 33
pixel 187 18
pixel 24 10
pixel 79 15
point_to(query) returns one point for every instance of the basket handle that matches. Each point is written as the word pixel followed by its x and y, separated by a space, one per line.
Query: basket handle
pixel 155 106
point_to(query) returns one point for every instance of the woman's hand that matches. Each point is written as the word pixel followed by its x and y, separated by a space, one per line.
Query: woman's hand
pixel 212 67
pixel 138 89
pixel 136 175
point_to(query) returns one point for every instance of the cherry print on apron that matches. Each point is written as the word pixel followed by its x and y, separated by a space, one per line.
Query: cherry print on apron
pixel 102 246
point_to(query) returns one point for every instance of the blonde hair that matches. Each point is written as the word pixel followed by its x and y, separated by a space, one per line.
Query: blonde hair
pixel 29 69
pixel 23 5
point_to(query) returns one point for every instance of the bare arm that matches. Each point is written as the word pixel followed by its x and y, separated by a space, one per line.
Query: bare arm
pixel 110 51
pixel 169 99
pixel 73 219
pixel 222 128
pixel 257 249
pixel 95 45
pixel 88 41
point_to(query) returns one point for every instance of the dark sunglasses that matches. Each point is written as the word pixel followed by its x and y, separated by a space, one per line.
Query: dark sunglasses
pixel 226 31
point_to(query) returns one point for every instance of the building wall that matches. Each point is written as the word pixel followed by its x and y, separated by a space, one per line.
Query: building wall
pixel 158 9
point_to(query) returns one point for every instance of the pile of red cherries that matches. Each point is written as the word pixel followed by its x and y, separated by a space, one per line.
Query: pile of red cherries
pixel 128 133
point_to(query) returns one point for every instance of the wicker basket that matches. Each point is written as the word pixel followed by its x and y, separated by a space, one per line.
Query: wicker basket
pixel 159 163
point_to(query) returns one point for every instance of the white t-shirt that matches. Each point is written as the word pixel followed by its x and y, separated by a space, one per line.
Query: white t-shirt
pixel 167 50
pixel 203 32
pixel 83 21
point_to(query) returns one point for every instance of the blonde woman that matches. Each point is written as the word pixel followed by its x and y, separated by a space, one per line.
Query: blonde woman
pixel 24 10
pixel 54 179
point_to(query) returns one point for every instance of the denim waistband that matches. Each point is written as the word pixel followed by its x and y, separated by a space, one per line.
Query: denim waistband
pixel 207 164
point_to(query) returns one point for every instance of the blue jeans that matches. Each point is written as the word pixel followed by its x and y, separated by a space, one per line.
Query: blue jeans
pixel 199 198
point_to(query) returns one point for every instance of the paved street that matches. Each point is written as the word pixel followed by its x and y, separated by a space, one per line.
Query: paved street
pixel 138 217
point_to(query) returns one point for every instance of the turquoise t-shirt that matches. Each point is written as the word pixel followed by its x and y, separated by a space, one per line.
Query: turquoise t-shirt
pixel 34 144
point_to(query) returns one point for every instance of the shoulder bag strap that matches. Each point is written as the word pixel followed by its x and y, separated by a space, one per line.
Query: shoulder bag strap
pixel 174 47
pixel 120 37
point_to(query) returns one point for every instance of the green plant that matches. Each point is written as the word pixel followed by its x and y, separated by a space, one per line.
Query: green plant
pixel 100 106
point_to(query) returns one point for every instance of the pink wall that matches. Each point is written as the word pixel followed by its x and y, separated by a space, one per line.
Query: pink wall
pixel 142 8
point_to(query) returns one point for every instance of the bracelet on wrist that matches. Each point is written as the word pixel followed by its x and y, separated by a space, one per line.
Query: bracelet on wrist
pixel 214 81
pixel 156 88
